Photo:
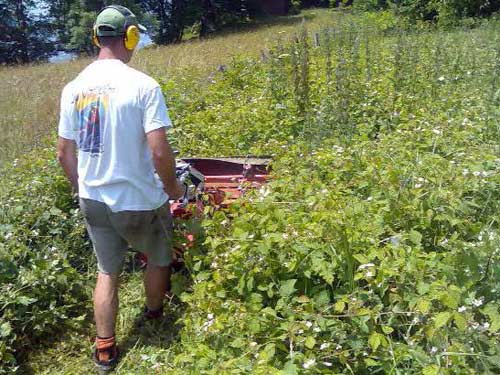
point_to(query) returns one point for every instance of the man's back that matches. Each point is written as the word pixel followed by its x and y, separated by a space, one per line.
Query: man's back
pixel 107 110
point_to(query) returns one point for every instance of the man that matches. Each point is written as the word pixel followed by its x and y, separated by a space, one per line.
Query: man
pixel 115 118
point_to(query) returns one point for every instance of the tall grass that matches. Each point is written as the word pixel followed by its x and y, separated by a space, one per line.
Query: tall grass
pixel 29 97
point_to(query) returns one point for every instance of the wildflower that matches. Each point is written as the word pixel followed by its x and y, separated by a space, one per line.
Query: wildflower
pixel 253 344
pixel 338 149
pixel 418 186
pixel 465 172
pixel 308 324
pixel 309 363
pixel 369 199
pixel 437 131
pixel 317 329
pixel 461 309
pixel 369 274
pixel 324 346
pixel 8 236
pixel 338 347
pixel 441 79
pixel 478 302
pixel 328 364
pixel 210 316
pixel 433 350
pixel 476 173
pixel 367 265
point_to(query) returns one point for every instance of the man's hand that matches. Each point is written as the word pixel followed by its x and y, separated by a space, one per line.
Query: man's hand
pixel 66 155
pixel 177 191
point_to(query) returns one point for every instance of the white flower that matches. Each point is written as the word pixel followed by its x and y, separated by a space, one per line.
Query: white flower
pixel 478 302
pixel 210 316
pixel 367 265
pixel 264 191
pixel 369 199
pixel 328 364
pixel 285 236
pixel 308 324
pixel 461 309
pixel 476 173
pixel 317 329
pixel 8 236
pixel 441 79
pixel 418 186
pixel 437 131
pixel 369 274
pixel 324 346
pixel 253 344
pixel 309 363
pixel 338 347
pixel 300 331
pixel 433 350
pixel 338 149
pixel 465 172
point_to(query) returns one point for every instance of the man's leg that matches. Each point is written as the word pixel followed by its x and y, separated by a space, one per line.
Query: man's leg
pixel 155 284
pixel 106 304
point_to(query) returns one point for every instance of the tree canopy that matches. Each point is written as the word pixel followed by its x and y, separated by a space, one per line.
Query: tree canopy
pixel 34 29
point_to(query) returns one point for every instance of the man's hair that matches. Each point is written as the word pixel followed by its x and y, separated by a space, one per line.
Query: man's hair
pixel 110 41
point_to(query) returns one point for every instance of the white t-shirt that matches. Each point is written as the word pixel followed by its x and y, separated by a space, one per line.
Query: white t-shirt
pixel 107 110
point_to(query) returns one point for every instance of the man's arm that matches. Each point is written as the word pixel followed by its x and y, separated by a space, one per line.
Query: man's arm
pixel 164 162
pixel 66 155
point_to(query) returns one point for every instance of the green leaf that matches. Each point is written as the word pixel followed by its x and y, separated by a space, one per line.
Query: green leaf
pixel 387 330
pixel 5 329
pixel 310 342
pixel 491 310
pixel 339 306
pixel 442 319
pixel 374 340
pixel 415 237
pixel 369 362
pixel 290 369
pixel 423 306
pixel 460 321
pixel 431 370
pixel 287 287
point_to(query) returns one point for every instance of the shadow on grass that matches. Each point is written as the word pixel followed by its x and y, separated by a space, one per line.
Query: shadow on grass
pixel 160 333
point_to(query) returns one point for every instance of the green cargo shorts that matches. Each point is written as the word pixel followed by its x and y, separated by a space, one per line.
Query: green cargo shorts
pixel 112 233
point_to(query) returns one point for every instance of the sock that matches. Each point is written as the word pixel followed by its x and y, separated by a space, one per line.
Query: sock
pixel 105 347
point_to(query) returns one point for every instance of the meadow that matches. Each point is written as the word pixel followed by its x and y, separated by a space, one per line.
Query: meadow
pixel 29 99
pixel 375 248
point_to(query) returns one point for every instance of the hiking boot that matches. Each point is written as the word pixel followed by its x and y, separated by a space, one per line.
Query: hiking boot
pixel 152 315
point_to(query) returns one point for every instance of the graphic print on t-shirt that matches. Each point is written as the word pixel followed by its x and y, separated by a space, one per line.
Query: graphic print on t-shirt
pixel 91 108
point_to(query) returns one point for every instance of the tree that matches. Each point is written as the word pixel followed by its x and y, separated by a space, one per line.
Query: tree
pixel 80 20
pixel 25 34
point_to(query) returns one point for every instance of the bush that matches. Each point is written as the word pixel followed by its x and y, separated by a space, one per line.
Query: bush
pixel 44 255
